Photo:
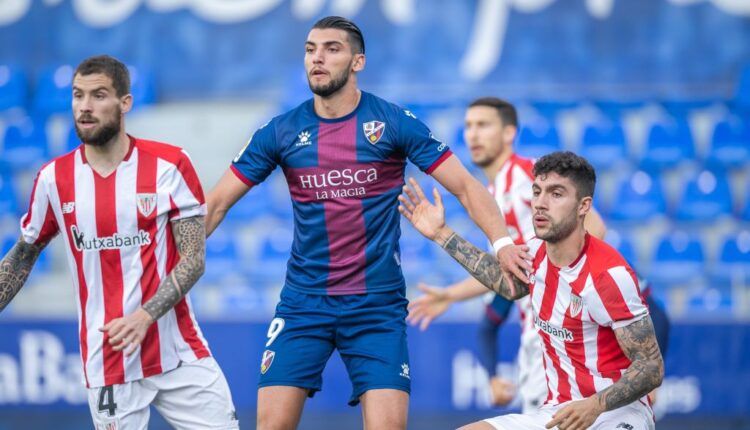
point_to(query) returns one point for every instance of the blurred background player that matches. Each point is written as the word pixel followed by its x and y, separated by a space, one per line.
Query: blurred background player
pixel 601 357
pixel 343 153
pixel 490 130
pixel 131 212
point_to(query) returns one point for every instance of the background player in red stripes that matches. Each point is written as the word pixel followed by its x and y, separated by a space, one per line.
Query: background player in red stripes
pixel 131 213
pixel 601 356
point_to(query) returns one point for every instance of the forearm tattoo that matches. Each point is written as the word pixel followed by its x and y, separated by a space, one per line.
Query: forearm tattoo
pixel 646 369
pixel 190 239
pixel 15 268
pixel 484 267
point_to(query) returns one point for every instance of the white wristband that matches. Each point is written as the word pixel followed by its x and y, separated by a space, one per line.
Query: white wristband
pixel 502 243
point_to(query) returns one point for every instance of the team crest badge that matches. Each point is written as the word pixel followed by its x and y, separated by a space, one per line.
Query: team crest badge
pixel 575 305
pixel 373 131
pixel 146 203
pixel 267 360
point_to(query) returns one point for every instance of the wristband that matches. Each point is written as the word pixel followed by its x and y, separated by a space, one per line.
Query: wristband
pixel 502 243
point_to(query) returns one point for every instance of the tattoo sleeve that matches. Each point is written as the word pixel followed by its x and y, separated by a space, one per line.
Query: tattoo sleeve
pixel 190 239
pixel 15 268
pixel 483 266
pixel 646 369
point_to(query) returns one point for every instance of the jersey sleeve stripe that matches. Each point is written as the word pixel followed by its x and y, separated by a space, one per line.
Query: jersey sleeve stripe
pixel 439 161
pixel 611 297
pixel 241 177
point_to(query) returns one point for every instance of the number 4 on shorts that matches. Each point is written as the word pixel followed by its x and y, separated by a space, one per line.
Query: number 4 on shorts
pixel 107 400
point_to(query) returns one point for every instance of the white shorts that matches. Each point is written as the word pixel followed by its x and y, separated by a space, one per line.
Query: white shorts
pixel 193 396
pixel 635 416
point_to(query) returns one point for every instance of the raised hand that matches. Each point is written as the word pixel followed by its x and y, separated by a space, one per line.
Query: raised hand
pixel 425 308
pixel 427 218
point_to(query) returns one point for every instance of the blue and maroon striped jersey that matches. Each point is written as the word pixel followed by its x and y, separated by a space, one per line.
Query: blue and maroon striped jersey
pixel 344 177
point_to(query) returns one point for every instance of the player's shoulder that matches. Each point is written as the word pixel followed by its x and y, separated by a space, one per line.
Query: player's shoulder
pixel 392 110
pixel 165 151
pixel 48 169
pixel 525 165
pixel 603 260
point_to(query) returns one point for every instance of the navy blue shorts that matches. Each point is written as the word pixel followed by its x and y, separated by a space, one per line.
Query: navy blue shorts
pixel 369 331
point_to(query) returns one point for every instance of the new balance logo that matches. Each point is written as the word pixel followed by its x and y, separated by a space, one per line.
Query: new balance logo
pixel 68 207
pixel 116 241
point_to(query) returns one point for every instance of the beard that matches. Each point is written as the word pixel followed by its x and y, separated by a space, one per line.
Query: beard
pixel 99 136
pixel 336 83
pixel 558 230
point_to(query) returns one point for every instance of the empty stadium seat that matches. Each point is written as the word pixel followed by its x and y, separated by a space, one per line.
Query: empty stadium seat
pixel 551 108
pixel 53 93
pixel 603 145
pixel 667 145
pixel 13 87
pixel 742 96
pixel 275 250
pixel 733 264
pixel 730 144
pixel 706 196
pixel 678 260
pixel 537 141
pixel 8 202
pixel 142 86
pixel 617 239
pixel 221 254
pixel 710 301
pixel 639 198
pixel 25 144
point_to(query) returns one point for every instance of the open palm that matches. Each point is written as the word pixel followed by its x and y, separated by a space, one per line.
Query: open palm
pixel 427 218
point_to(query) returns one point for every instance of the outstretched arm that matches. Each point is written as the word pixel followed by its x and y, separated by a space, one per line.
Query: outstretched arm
pixel 15 268
pixel 190 239
pixel 429 220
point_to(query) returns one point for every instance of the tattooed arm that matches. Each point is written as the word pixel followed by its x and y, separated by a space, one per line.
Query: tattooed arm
pixel 429 220
pixel 190 239
pixel 646 369
pixel 481 265
pixel 645 373
pixel 15 268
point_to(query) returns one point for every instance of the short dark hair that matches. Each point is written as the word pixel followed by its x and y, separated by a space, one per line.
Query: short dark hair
pixel 505 109
pixel 110 67
pixel 571 166
pixel 356 40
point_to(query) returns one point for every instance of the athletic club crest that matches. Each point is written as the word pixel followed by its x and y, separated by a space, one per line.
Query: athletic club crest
pixel 146 203
pixel 265 363
pixel 373 131
pixel 575 305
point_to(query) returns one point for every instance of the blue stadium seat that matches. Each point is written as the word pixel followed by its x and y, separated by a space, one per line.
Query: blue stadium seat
pixel 604 145
pixel 221 254
pixel 142 86
pixel 274 253
pixel 667 145
pixel 13 87
pixel 639 198
pixel 744 212
pixel 678 260
pixel 730 144
pixel 551 108
pixel 614 109
pixel 251 206
pixel 537 141
pixel 706 196
pixel 733 265
pixel 8 202
pixel 710 301
pixel 72 142
pixel 624 246
pixel 54 90
pixel 742 96
pixel 25 144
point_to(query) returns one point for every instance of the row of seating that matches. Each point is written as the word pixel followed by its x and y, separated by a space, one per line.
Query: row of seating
pixel 51 90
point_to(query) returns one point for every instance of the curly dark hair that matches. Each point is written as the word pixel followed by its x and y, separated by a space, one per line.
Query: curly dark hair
pixel 571 166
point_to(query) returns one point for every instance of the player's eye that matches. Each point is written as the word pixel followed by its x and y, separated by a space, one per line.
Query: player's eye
pixel 556 194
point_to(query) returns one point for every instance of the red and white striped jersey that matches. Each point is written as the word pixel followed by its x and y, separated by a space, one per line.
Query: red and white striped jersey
pixel 575 310
pixel 512 191
pixel 120 246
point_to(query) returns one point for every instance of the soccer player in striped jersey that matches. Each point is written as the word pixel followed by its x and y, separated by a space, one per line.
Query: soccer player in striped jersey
pixel 343 153
pixel 490 130
pixel 601 357
pixel 131 212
